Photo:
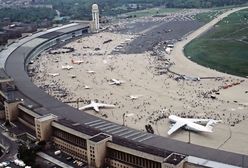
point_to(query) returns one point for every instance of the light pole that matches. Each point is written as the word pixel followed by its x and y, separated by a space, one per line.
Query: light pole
pixel 189 138
pixel 124 115
pixel 123 119
pixel 77 101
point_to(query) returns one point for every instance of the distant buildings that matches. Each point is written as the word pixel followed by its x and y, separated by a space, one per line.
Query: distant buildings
pixel 15 30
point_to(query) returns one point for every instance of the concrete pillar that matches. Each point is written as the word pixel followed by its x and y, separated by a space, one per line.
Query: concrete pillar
pixel 97 149
pixel 43 127
pixel 11 109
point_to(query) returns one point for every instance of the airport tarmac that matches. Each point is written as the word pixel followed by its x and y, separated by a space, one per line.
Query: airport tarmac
pixel 159 94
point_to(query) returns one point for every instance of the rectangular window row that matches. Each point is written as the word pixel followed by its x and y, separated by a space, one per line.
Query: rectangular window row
pixel 132 159
pixel 70 138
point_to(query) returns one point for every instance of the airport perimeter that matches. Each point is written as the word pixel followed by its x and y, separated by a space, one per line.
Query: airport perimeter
pixel 96 141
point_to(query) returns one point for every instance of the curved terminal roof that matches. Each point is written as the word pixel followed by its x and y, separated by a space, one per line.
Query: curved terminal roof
pixel 44 104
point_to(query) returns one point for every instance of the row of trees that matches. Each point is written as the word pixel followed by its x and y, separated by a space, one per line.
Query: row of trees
pixel 82 8
pixel 27 15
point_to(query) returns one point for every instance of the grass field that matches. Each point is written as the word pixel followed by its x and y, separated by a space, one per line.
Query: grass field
pixel 208 16
pixel 152 11
pixel 225 47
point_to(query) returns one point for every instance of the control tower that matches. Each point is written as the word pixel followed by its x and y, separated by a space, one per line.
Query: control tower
pixel 95 18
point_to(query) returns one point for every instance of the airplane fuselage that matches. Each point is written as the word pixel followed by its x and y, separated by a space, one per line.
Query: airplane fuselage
pixel 189 125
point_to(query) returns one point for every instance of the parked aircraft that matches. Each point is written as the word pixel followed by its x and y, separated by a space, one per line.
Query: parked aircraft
pixel 134 97
pixel 87 87
pixel 96 106
pixel 91 72
pixel 77 61
pixel 53 74
pixel 192 124
pixel 187 78
pixel 116 82
pixel 67 67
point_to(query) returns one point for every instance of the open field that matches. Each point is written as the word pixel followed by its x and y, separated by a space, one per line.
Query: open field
pixel 223 48
pixel 152 11
pixel 208 16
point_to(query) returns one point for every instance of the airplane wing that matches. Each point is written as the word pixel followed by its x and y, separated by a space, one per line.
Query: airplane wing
pixel 105 105
pixel 121 81
pixel 86 107
pixel 112 83
pixel 175 127
pixel 115 81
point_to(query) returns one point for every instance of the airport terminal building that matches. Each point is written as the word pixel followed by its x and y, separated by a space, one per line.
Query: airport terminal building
pixel 96 141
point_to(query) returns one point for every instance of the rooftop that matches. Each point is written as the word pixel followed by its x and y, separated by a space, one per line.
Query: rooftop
pixel 47 117
pixel 78 127
pixel 175 159
pixel 141 147
pixel 99 137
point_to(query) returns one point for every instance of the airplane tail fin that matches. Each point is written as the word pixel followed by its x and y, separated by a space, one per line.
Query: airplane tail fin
pixel 211 123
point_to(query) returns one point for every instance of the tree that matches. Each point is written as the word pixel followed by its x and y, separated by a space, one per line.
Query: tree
pixel 27 155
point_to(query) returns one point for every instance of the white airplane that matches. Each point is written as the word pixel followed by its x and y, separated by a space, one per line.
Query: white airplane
pixel 188 78
pixel 53 74
pixel 96 106
pixel 73 76
pixel 191 124
pixel 77 61
pixel 87 87
pixel 134 97
pixel 91 72
pixel 67 67
pixel 192 78
pixel 116 82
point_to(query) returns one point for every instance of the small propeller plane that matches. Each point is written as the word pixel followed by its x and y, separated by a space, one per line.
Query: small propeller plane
pixel 134 97
pixel 96 106
pixel 116 82
pixel 91 72
pixel 67 67
pixel 77 61
pixel 53 74
pixel 87 87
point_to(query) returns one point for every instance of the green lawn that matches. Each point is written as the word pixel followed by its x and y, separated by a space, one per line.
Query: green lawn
pixel 225 47
pixel 208 16
pixel 152 11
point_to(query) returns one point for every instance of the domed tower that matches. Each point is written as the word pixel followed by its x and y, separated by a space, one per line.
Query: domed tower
pixel 95 18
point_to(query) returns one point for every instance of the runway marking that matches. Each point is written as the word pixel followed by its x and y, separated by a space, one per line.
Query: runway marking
pixel 91 122
pixel 111 126
pixel 125 133
pixel 139 136
pixel 97 123
pixel 145 138
pixel 114 129
pixel 120 131
pixel 136 133
pixel 100 126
